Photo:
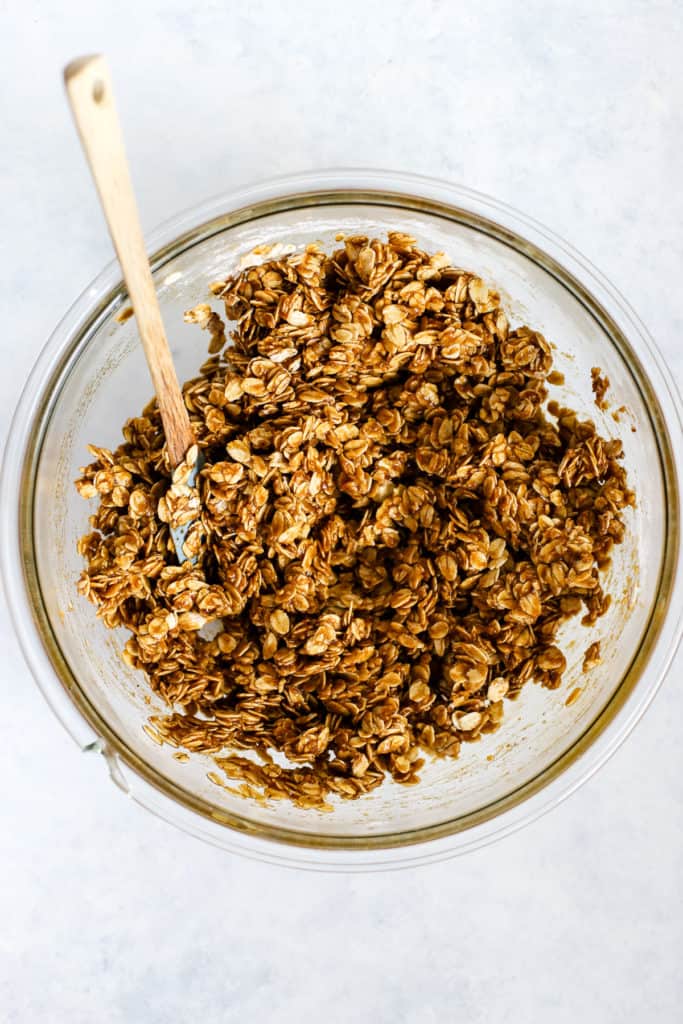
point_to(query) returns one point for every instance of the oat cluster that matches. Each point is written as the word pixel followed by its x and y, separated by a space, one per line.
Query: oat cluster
pixel 391 524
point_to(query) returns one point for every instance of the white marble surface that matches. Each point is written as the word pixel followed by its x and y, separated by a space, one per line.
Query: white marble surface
pixel 574 115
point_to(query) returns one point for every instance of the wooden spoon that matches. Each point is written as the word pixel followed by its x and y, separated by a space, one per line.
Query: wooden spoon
pixel 89 88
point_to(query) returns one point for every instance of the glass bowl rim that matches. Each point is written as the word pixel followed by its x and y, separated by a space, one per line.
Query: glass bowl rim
pixel 41 652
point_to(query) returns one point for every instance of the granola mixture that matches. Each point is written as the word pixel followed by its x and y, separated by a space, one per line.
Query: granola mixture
pixel 391 524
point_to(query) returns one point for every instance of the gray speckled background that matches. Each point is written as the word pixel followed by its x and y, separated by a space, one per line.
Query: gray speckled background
pixel 571 113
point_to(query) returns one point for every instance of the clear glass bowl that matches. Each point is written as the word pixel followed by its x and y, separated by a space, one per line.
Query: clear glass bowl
pixel 92 375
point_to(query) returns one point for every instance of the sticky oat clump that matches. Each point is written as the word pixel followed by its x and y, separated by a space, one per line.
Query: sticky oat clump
pixel 391 524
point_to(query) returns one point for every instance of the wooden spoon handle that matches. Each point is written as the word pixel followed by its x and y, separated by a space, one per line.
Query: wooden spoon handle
pixel 89 88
